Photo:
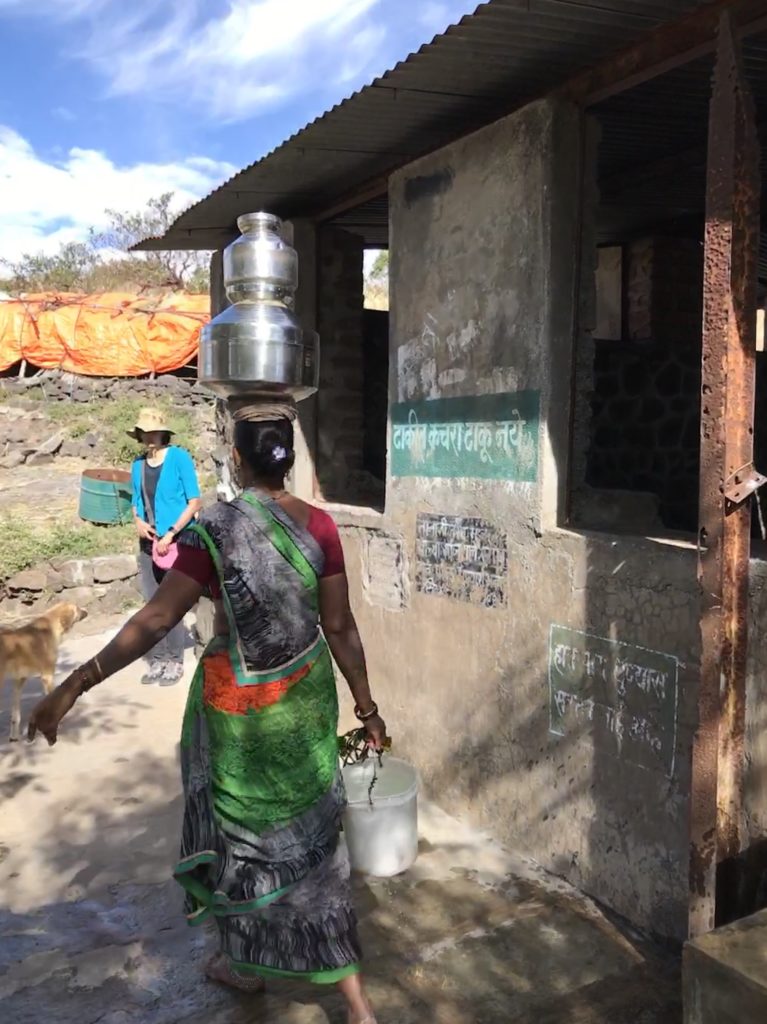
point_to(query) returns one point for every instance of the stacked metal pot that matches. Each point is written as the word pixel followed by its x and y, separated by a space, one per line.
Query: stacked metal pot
pixel 256 346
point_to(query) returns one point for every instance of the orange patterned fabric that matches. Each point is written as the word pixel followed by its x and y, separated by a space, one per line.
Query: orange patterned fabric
pixel 221 692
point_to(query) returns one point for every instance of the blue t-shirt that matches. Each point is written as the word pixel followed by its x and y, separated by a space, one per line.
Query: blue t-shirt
pixel 176 487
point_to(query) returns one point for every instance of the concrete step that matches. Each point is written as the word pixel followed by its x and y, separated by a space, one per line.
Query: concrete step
pixel 725 974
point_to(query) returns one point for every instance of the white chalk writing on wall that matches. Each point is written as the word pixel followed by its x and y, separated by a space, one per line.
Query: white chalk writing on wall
pixel 624 694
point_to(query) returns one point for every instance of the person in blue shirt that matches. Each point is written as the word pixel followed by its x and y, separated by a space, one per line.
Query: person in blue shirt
pixel 166 497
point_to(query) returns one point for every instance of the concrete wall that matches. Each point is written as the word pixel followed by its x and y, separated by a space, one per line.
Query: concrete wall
pixel 483 289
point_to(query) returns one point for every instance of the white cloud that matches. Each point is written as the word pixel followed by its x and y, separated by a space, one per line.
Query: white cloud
pixel 259 53
pixel 436 15
pixel 43 204
pixel 247 56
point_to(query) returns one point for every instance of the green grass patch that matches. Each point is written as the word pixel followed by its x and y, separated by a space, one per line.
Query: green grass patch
pixel 24 545
pixel 113 418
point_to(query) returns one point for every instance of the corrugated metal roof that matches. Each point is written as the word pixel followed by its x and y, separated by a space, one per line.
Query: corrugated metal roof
pixel 494 60
pixel 652 160
pixel 652 157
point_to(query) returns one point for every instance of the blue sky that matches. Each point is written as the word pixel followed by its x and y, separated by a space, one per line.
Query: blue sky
pixel 106 103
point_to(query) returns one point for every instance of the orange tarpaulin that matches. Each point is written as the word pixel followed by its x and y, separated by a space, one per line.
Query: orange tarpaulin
pixel 112 334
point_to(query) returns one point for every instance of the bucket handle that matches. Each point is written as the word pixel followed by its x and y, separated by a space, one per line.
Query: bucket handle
pixel 353 749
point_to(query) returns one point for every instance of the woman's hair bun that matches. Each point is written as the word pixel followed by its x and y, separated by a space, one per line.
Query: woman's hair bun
pixel 266 446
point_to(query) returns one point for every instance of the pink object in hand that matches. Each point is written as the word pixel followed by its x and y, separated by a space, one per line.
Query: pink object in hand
pixel 167 560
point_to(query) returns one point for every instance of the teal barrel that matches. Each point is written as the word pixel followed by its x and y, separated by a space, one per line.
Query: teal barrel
pixel 105 496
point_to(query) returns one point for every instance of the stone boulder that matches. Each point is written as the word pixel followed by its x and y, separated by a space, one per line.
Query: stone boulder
pixel 52 444
pixel 114 568
pixel 74 450
pixel 31 581
pixel 54 582
pixel 75 572
pixel 44 453
pixel 119 597
pixel 83 597
pixel 40 459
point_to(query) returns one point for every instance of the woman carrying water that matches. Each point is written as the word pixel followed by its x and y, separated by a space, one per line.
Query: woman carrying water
pixel 261 850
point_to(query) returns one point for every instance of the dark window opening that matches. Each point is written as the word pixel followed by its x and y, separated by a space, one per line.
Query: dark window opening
pixel 375 391
pixel 352 402
pixel 636 432
pixel 645 407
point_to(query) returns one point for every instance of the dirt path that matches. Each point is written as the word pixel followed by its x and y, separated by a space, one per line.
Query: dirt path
pixel 42 493
pixel 91 930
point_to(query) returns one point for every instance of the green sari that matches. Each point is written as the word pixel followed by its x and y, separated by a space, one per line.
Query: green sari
pixel 261 850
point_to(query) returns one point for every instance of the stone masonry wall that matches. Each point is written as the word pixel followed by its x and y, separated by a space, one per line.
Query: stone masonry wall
pixel 646 426
pixel 108 582
pixel 376 395
pixel 57 386
pixel 29 436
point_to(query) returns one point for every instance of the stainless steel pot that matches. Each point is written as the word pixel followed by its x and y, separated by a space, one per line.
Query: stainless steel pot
pixel 257 345
pixel 252 348
pixel 260 264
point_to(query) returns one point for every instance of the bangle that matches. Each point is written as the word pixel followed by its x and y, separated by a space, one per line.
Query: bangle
pixel 368 714
pixel 92 674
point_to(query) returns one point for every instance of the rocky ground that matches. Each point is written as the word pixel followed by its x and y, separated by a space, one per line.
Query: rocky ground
pixel 53 427
pixel 45 493
pixel 91 930
pixel 53 415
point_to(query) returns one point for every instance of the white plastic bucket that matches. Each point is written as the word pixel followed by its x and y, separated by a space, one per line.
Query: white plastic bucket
pixel 382 836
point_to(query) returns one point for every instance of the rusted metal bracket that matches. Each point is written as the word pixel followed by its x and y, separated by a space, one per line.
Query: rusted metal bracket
pixel 741 485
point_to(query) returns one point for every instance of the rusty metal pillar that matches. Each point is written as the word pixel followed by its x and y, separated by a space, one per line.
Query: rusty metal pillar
pixel 727 478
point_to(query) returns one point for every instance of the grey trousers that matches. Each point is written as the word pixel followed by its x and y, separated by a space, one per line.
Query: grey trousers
pixel 171 647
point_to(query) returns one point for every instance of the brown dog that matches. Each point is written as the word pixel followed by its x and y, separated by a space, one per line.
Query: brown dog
pixel 32 650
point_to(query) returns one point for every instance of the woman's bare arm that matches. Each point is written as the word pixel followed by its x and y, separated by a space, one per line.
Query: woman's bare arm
pixel 342 635
pixel 176 595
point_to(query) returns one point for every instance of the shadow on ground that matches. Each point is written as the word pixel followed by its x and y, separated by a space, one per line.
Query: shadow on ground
pixel 91 928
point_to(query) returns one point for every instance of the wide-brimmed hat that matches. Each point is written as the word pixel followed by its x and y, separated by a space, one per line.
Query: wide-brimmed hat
pixel 150 420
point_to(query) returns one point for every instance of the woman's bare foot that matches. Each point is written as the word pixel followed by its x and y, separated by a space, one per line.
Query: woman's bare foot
pixel 219 969
pixel 358 1005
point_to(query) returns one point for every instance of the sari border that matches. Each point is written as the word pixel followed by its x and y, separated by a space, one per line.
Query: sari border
pixel 328 976
pixel 243 676
pixel 217 902
pixel 308 573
